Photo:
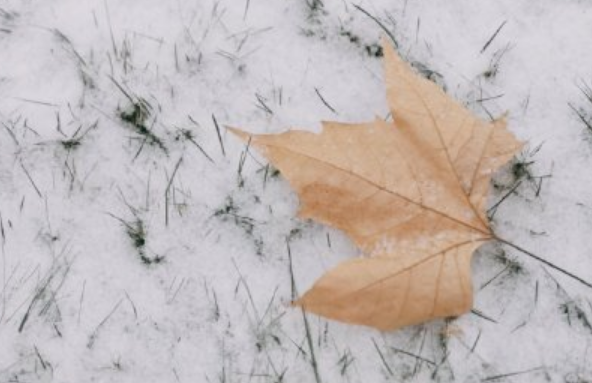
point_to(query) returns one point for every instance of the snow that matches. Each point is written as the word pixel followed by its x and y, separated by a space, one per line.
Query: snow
pixel 127 260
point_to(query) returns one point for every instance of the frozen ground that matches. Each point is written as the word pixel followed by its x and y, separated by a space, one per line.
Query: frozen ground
pixel 138 247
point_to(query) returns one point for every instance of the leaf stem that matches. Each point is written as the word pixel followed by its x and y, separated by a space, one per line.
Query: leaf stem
pixel 543 261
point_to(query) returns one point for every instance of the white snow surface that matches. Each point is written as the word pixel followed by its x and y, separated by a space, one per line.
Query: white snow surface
pixel 129 256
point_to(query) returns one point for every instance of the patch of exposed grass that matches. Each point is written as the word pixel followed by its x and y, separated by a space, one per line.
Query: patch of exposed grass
pixel 187 135
pixel 75 140
pixel 136 231
pixel 583 112
pixel 494 63
pixel 138 115
pixel 371 49
pixel 138 235
pixel 574 313
pixel 430 74
pixel 230 212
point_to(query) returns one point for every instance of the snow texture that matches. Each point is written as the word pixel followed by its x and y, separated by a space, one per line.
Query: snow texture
pixel 137 245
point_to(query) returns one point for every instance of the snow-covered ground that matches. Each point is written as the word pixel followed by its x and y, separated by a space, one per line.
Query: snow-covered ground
pixel 140 242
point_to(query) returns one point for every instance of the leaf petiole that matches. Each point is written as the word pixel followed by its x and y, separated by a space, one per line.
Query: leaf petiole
pixel 543 261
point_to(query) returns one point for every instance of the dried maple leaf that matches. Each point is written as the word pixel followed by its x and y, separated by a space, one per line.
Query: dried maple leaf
pixel 411 194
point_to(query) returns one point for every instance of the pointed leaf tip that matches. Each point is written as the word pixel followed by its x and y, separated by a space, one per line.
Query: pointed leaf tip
pixel 244 136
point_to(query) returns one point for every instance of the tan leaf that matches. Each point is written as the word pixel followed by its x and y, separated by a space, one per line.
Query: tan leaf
pixel 411 194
